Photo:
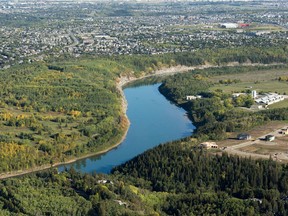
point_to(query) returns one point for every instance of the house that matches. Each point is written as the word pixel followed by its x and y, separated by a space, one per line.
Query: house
pixel 243 136
pixel 208 145
pixel 270 138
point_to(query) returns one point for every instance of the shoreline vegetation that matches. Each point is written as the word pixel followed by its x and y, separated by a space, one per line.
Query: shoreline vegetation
pixel 120 84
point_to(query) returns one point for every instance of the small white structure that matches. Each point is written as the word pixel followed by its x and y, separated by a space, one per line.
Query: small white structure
pixel 208 145
pixel 104 181
pixel 254 94
pixel 270 138
pixel 235 95
pixel 193 97
pixel 120 202
pixel 262 32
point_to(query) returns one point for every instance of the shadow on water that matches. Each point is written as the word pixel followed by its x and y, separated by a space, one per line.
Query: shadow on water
pixel 105 169
pixel 144 82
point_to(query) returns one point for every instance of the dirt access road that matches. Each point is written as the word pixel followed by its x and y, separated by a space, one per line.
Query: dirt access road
pixel 278 155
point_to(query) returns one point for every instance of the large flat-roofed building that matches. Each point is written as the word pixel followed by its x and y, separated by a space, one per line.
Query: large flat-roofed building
pixel 228 25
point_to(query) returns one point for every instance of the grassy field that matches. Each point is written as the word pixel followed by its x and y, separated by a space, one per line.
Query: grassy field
pixel 265 86
pixel 255 27
pixel 264 80
pixel 282 104
pixel 259 75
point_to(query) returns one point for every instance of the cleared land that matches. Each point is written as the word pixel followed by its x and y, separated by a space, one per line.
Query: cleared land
pixel 257 147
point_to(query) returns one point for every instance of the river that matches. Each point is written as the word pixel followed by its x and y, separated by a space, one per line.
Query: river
pixel 154 120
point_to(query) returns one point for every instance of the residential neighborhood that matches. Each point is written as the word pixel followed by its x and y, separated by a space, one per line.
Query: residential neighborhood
pixel 98 29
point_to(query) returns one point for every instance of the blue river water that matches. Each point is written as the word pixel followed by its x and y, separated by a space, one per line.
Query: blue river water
pixel 154 120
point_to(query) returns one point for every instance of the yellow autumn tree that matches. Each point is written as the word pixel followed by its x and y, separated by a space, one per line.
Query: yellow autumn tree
pixel 75 113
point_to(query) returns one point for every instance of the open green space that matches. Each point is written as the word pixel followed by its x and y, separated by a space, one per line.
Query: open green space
pixel 261 81
pixel 282 104
pixel 259 86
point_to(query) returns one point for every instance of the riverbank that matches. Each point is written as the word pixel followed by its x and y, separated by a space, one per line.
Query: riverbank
pixel 120 83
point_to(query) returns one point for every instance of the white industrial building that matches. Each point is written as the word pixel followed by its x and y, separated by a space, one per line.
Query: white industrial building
pixel 270 98
pixel 229 25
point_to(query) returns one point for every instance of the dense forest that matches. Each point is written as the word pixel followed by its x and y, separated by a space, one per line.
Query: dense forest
pixel 171 179
pixel 199 182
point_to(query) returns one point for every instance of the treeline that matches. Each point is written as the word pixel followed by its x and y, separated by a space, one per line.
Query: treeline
pixel 208 56
pixel 201 183
pixel 137 65
pixel 177 87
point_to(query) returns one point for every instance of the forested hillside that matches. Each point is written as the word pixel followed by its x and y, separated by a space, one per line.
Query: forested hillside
pixel 50 193
pixel 50 113
pixel 171 179
pixel 199 182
